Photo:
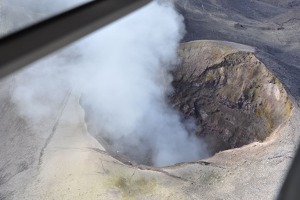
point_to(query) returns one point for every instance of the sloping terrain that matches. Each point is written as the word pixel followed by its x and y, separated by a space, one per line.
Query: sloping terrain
pixel 269 26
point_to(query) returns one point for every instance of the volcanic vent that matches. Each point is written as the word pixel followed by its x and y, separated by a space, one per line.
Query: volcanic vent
pixel 232 97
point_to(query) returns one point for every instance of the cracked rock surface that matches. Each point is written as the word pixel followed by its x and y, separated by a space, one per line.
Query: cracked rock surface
pixel 234 98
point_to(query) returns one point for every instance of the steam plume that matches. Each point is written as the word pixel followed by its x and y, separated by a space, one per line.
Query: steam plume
pixel 122 74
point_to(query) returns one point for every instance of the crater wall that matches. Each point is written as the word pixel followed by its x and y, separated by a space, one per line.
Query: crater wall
pixel 234 98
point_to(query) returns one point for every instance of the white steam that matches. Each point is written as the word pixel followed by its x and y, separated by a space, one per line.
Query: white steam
pixel 122 74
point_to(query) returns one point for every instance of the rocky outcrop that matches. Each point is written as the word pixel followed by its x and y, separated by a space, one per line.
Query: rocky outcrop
pixel 234 98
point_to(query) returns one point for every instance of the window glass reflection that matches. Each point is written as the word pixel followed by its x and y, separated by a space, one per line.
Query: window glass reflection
pixel 17 14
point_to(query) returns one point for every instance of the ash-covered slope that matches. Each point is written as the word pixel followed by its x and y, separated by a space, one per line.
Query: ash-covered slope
pixel 270 26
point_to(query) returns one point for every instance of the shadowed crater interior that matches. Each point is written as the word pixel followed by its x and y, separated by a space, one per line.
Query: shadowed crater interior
pixel 234 99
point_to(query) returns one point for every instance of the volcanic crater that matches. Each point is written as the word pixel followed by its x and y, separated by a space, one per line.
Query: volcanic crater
pixel 232 96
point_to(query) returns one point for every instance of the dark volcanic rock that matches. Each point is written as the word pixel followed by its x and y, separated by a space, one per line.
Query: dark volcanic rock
pixel 235 99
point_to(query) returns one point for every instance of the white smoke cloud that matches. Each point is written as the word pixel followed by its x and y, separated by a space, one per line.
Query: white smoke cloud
pixel 122 73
